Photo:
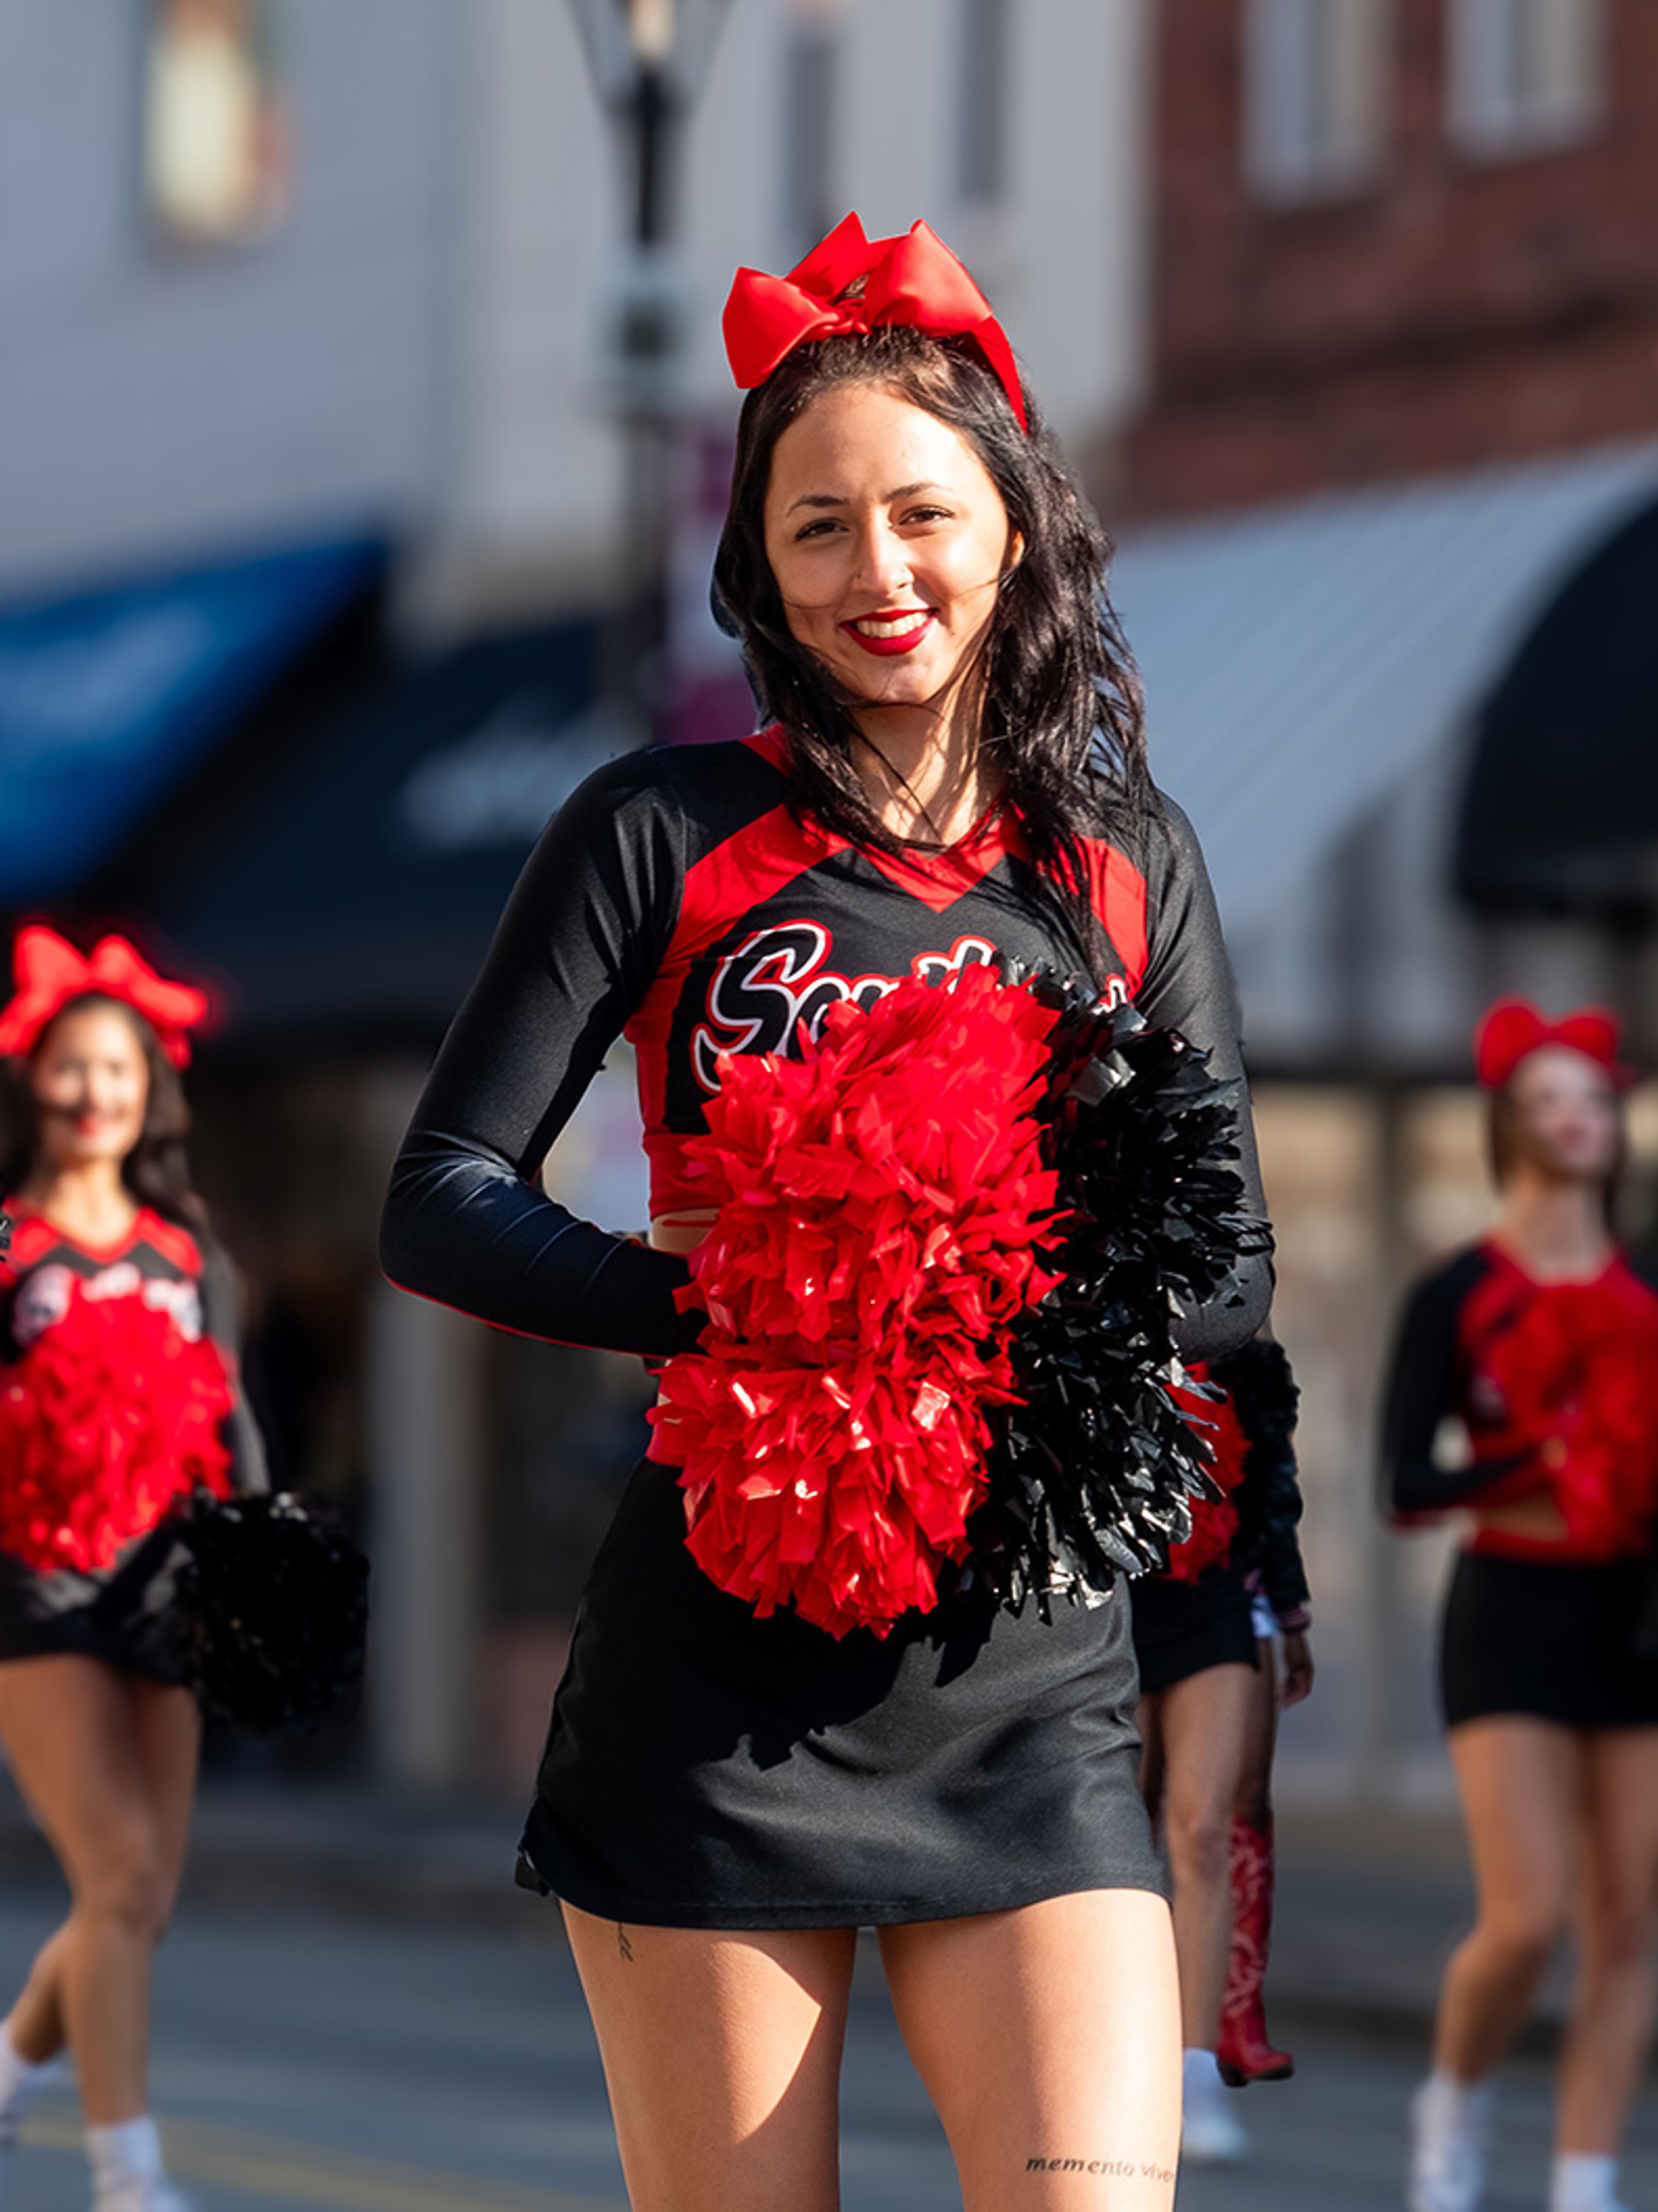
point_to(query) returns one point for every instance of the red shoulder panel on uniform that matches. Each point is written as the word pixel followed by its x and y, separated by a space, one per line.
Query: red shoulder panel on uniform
pixel 1116 893
pixel 171 1241
pixel 31 1240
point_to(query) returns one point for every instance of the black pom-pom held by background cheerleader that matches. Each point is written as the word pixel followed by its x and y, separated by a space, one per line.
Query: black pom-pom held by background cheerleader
pixel 124 1446
pixel 856 1649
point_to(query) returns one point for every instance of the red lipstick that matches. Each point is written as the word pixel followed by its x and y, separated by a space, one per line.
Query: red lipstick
pixel 905 640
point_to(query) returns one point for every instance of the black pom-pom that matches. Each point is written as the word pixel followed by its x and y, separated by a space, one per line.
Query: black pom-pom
pixel 272 1606
pixel 1094 1473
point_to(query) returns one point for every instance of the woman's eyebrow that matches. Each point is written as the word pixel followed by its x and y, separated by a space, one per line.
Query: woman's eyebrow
pixel 839 499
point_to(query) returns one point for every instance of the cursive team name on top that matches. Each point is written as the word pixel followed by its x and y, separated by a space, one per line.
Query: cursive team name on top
pixel 778 980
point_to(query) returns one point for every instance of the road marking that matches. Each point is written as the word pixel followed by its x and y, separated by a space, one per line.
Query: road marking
pixel 226 2158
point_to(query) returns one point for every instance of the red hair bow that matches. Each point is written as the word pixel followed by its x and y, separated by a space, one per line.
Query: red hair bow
pixel 50 972
pixel 1514 1028
pixel 915 280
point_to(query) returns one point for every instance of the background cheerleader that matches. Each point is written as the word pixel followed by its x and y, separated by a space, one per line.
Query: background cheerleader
pixel 1542 1343
pixel 1210 1687
pixel 117 1393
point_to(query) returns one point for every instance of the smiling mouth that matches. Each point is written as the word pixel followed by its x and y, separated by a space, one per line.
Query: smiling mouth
pixel 896 632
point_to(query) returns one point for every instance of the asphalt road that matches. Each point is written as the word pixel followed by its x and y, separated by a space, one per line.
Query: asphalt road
pixel 309 2060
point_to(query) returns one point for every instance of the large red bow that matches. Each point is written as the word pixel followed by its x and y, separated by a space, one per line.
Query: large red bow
pixel 50 972
pixel 1514 1027
pixel 916 280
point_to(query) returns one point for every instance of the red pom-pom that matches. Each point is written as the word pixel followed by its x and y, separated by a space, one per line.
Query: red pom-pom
pixel 1575 1369
pixel 1214 1519
pixel 105 1419
pixel 883 1214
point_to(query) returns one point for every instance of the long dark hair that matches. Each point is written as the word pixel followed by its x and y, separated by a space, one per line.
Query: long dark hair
pixel 1063 716
pixel 157 1169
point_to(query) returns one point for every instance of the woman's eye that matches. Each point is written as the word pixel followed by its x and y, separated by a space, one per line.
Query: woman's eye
pixel 821 528
pixel 928 514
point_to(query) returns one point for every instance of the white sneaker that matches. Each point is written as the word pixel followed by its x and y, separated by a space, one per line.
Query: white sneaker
pixel 1211 2136
pixel 157 2195
pixel 1449 2125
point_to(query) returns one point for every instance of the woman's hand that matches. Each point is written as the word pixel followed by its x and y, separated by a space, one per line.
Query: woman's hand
pixel 1295 1681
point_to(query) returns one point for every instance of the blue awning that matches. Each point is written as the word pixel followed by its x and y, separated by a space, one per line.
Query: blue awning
pixel 107 697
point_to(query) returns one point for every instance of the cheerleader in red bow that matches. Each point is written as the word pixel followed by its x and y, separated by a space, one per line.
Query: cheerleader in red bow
pixel 118 1393
pixel 1540 1348
pixel 759 1747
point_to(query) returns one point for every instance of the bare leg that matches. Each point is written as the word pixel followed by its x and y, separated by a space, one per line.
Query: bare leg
pixel 1611 2017
pixel 1253 1801
pixel 108 1762
pixel 1048 2039
pixel 1521 1782
pixel 1200 1726
pixel 722 2056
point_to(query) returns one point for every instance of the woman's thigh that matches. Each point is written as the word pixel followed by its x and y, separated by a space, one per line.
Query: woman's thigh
pixel 1620 1831
pixel 69 1728
pixel 1204 1724
pixel 1048 2039
pixel 722 2054
pixel 1522 1782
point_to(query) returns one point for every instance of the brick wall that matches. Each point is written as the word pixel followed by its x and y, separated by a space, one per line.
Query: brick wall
pixel 1454 311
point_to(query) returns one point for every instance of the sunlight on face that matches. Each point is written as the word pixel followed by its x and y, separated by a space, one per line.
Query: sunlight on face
pixel 1565 1115
pixel 91 1085
pixel 889 542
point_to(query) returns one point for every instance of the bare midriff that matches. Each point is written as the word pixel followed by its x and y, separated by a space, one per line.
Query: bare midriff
pixel 1536 1518
pixel 681 1232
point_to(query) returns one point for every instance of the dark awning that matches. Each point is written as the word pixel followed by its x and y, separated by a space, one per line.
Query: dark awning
pixel 1560 813
pixel 108 697
pixel 355 899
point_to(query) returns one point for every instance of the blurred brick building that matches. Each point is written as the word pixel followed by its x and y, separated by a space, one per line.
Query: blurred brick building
pixel 1396 270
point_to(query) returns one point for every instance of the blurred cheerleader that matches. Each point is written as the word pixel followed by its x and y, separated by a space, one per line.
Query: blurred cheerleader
pixel 117 1394
pixel 1540 1344
pixel 1206 1636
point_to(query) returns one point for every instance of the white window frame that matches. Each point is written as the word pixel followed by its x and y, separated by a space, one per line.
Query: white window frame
pixel 1317 95
pixel 1526 76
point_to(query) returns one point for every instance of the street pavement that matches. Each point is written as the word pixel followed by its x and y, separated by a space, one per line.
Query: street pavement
pixel 305 2058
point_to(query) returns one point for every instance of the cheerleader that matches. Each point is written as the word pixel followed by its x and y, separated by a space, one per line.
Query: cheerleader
pixel 1204 1678
pixel 1537 1350
pixel 117 1393
pixel 952 788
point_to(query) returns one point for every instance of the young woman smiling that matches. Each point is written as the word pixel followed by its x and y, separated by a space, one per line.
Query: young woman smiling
pixel 953 778
pixel 118 1367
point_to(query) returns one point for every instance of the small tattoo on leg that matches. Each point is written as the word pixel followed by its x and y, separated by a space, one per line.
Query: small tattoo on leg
pixel 623 1947
pixel 1124 2169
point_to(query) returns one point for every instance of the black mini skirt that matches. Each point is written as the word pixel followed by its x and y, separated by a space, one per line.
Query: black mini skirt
pixel 1183 1629
pixel 1549 1639
pixel 91 1616
pixel 708 1769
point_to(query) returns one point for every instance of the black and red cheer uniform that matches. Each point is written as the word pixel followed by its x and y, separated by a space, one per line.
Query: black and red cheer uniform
pixel 1555 1386
pixel 69 1582
pixel 705 1767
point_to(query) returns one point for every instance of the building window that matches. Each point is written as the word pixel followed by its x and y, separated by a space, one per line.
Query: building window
pixel 1316 78
pixel 215 134
pixel 981 108
pixel 1526 74
pixel 809 101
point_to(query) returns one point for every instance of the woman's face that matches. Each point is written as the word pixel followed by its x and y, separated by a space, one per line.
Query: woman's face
pixel 1565 1115
pixel 888 541
pixel 91 1085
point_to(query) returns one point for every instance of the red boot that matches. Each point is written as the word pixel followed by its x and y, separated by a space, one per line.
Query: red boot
pixel 1243 2053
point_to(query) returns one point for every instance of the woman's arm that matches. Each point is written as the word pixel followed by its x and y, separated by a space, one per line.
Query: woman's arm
pixel 1268 1499
pixel 1189 986
pixel 582 938
pixel 250 1474
pixel 1420 1392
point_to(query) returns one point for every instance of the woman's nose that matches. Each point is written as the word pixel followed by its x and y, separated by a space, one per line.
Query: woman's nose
pixel 882 561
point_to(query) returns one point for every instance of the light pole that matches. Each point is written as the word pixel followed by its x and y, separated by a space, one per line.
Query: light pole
pixel 650 59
